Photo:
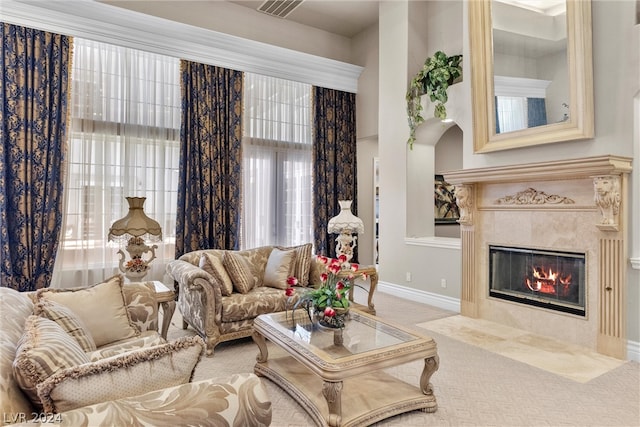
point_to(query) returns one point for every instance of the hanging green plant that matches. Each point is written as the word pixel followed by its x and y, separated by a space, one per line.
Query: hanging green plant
pixel 438 72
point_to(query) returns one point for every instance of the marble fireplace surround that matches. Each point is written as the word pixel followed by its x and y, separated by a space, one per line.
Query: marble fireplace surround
pixel 578 205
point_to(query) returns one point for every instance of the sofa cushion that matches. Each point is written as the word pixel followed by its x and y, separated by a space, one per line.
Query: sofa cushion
pixel 239 270
pixel 124 375
pixel 280 266
pixel 213 265
pixel 260 300
pixel 68 321
pixel 15 307
pixel 302 265
pixel 44 349
pixel 100 307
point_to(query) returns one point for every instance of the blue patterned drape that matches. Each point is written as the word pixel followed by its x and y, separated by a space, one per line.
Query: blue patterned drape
pixel 497 116
pixel 34 88
pixel 536 112
pixel 334 161
pixel 209 196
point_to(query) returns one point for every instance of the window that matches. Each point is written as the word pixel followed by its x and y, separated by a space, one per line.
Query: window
pixel 277 160
pixel 124 141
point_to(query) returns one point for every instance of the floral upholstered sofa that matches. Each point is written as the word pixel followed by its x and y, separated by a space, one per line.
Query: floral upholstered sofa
pixel 221 292
pixel 92 356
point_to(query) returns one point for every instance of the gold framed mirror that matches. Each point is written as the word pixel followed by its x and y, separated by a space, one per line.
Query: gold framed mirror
pixel 532 58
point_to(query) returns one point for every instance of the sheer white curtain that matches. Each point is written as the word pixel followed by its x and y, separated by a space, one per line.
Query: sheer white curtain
pixel 277 162
pixel 124 142
pixel 512 113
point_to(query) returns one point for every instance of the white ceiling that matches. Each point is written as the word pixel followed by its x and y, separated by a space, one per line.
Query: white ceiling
pixel 346 18
pixel 350 17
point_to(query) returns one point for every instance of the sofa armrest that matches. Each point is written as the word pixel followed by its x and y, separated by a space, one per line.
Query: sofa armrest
pixel 238 400
pixel 199 297
pixel 186 273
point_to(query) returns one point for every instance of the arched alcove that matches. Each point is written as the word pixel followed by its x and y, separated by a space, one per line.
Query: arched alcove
pixel 448 156
pixel 434 139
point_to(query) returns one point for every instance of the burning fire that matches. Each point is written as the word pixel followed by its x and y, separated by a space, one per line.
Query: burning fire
pixel 549 282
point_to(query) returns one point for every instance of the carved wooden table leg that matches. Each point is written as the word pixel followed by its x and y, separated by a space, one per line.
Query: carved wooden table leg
pixel 332 392
pixel 262 345
pixel 373 277
pixel 168 308
pixel 372 273
pixel 431 365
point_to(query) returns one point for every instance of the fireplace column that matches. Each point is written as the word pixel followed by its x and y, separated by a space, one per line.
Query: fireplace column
pixel 612 256
pixel 465 199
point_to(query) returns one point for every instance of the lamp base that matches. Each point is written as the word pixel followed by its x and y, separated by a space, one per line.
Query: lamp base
pixel 137 267
pixel 346 243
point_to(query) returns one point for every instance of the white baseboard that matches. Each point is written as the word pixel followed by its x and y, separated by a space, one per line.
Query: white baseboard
pixel 440 301
pixel 633 350
pixel 453 304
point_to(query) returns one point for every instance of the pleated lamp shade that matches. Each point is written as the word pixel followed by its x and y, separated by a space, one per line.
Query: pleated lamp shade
pixel 135 224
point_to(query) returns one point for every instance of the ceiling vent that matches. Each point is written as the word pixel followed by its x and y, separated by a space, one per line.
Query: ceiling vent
pixel 279 8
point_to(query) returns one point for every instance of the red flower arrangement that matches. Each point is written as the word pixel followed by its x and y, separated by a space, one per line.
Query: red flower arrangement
pixel 330 299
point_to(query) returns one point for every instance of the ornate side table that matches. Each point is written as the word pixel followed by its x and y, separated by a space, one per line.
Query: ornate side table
pixel 166 300
pixel 372 274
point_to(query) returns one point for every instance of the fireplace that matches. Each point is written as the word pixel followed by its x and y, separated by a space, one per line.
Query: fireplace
pixel 552 235
pixel 549 279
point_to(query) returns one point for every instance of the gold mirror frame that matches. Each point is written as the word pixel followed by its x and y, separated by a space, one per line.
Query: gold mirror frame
pixel 580 66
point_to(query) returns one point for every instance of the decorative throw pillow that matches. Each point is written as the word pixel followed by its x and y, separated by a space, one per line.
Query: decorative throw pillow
pixel 44 349
pixel 316 269
pixel 142 305
pixel 257 260
pixel 302 265
pixel 279 268
pixel 100 307
pixel 240 271
pixel 68 320
pixel 145 340
pixel 125 375
pixel 212 265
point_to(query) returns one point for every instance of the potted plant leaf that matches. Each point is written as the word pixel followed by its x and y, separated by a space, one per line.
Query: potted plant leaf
pixel 437 74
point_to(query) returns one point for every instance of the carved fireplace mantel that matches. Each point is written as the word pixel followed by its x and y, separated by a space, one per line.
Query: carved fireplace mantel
pixel 578 205
pixel 561 169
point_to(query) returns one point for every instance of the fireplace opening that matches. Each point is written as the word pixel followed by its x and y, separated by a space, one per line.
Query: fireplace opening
pixel 542 278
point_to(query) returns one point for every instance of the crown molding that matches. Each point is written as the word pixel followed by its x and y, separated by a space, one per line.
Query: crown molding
pixel 101 22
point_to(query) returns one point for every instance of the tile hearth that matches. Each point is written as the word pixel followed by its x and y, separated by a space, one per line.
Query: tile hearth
pixel 567 360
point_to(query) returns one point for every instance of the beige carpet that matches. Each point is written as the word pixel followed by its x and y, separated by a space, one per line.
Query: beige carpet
pixel 570 361
pixel 473 387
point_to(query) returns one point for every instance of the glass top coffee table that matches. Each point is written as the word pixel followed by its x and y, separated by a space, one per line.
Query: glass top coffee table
pixel 338 376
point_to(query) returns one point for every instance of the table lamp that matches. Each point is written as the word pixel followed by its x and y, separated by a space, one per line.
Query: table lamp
pixel 136 229
pixel 345 224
